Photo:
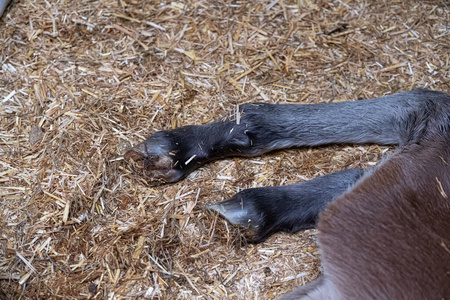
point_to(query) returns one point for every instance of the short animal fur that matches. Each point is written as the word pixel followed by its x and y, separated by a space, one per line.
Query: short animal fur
pixel 383 233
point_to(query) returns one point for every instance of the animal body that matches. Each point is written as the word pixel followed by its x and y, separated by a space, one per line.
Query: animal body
pixel 384 233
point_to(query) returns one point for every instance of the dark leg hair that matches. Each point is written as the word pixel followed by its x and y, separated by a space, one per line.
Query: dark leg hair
pixel 287 208
pixel 257 128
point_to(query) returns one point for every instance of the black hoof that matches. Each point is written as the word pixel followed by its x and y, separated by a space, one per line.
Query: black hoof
pixel 157 161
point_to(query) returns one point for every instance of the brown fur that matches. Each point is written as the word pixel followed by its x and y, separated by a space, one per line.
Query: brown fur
pixel 389 237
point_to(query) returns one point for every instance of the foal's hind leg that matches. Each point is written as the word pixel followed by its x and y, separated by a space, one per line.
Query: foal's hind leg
pixel 287 208
pixel 254 129
pixel 319 289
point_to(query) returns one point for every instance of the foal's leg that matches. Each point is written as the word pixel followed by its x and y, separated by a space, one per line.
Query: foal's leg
pixel 287 208
pixel 254 129
pixel 320 289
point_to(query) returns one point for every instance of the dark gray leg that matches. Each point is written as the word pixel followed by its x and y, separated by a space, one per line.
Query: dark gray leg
pixel 287 208
pixel 319 289
pixel 303 291
pixel 254 129
pixel 3 4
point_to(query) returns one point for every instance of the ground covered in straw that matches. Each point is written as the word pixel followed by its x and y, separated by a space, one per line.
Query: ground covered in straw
pixel 82 81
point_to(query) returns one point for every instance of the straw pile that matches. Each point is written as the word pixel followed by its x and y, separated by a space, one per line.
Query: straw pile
pixel 82 81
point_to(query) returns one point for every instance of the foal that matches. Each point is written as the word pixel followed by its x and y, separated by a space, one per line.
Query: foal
pixel 384 233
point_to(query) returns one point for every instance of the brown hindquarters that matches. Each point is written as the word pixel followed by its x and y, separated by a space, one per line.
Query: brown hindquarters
pixel 389 238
